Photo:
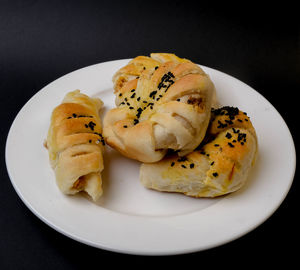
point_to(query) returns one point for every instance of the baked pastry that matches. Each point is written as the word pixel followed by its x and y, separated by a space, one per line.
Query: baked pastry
pixel 220 165
pixel 75 144
pixel 163 102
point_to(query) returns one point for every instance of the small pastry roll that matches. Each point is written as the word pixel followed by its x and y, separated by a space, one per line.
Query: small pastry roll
pixel 75 144
pixel 163 102
pixel 220 165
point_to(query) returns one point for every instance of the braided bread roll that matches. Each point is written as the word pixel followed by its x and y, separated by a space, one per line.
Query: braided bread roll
pixel 75 144
pixel 221 164
pixel 163 102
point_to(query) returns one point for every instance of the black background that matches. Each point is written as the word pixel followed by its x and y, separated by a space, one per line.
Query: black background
pixel 43 40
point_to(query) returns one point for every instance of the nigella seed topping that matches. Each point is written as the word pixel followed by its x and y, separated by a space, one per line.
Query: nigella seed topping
pixel 235 130
pixel 212 163
pixel 152 94
pixel 132 90
pixel 74 115
pixel 128 104
pixel 215 174
pixel 181 159
pixel 125 126
pixel 120 94
pixel 172 164
pixel 156 68
pixel 133 95
pixel 91 125
pixel 228 135
pixel 183 166
pixel 138 99
pixel 230 144
pixel 131 108
pixel 192 165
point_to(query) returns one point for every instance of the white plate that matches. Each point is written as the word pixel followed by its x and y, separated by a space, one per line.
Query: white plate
pixel 130 218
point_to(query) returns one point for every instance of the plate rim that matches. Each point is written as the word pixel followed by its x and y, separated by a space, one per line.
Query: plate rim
pixel 144 252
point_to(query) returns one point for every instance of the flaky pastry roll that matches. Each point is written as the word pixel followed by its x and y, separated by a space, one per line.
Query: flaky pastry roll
pixel 75 144
pixel 220 165
pixel 163 102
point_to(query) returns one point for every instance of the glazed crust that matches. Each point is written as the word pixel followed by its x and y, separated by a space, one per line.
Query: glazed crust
pixel 163 102
pixel 220 165
pixel 75 144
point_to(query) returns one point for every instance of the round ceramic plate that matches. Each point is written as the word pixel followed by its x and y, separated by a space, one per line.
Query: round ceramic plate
pixel 129 218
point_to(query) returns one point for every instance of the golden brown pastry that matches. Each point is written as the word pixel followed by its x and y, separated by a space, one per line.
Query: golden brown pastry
pixel 220 165
pixel 75 144
pixel 163 102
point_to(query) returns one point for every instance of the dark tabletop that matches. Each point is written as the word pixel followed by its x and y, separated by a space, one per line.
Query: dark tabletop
pixel 43 40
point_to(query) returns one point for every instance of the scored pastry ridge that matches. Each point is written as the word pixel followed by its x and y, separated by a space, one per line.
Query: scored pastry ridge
pixel 163 102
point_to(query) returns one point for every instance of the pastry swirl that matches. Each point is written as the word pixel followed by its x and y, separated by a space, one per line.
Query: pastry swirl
pixel 163 102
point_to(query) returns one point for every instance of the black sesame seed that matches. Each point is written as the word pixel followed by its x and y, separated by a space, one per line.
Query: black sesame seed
pixel 90 141
pixel 192 165
pixel 182 159
pixel 215 174
pixel 128 104
pixel 125 126
pixel 69 117
pixel 228 135
pixel 133 95
pixel 246 119
pixel 138 99
pixel 132 90
pixel 240 120
pixel 125 99
pixel 74 115
pixel 122 103
pixel 152 94
pixel 230 144
pixel 145 101
pixel 183 166
pixel 120 94
pixel 212 163
pixel 229 122
pixel 86 125
pixel 131 108
pixel 172 164
pixel 216 145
